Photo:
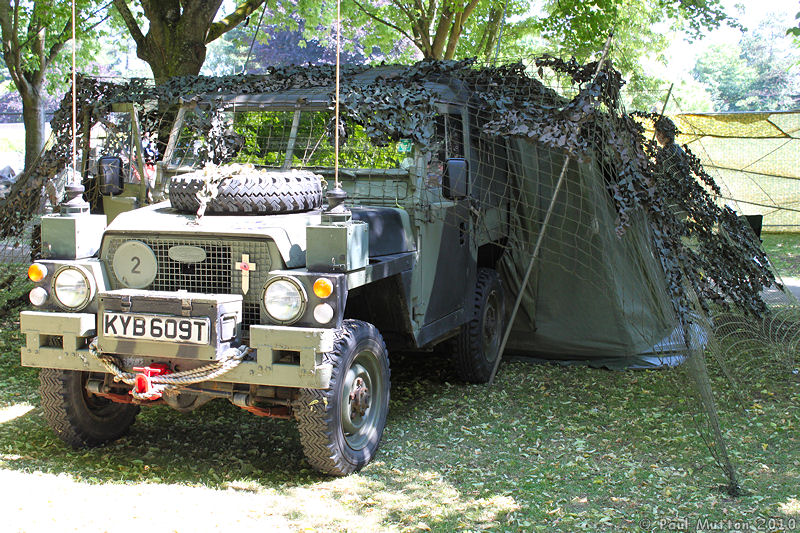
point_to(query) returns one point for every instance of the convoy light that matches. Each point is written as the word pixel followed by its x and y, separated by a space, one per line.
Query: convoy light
pixel 284 299
pixel 72 288
pixel 323 313
pixel 323 288
pixel 37 272
pixel 38 296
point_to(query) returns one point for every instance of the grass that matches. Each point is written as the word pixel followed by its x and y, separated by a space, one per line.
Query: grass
pixel 783 250
pixel 547 448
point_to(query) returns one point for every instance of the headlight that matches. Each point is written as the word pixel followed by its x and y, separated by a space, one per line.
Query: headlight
pixel 72 288
pixel 38 296
pixel 284 299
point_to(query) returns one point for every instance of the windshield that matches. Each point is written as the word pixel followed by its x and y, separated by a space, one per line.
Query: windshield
pixel 281 139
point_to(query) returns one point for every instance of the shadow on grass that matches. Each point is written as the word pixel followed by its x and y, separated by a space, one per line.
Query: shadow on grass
pixel 562 447
pixel 221 447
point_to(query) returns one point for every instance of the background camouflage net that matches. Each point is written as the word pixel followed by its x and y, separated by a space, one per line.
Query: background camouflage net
pixel 639 264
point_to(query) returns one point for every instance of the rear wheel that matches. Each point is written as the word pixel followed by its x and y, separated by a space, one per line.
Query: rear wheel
pixel 78 418
pixel 341 427
pixel 478 343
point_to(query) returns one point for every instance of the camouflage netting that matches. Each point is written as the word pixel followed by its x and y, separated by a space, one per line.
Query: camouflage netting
pixel 639 261
pixel 755 157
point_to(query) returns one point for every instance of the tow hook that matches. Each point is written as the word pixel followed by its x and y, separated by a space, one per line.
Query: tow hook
pixel 142 386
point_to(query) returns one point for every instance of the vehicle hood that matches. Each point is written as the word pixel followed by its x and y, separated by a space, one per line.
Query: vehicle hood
pixel 287 231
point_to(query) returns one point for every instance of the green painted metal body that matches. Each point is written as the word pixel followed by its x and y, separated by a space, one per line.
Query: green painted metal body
pixel 72 237
pixel 404 259
pixel 60 340
pixel 337 246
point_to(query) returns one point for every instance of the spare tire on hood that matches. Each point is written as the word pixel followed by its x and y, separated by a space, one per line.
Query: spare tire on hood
pixel 246 190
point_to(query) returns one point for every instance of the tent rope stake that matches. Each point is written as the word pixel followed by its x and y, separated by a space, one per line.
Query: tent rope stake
pixel 540 237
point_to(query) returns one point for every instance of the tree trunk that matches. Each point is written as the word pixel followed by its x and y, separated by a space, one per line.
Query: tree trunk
pixel 173 55
pixel 33 118
pixel 491 30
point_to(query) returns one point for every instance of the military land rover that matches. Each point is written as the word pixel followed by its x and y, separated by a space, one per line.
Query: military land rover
pixel 245 285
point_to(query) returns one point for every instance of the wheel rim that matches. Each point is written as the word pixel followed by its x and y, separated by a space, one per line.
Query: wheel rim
pixel 99 408
pixel 361 400
pixel 490 325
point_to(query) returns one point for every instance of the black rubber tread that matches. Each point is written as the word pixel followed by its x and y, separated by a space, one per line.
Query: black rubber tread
pixel 317 411
pixel 473 365
pixel 72 419
pixel 256 193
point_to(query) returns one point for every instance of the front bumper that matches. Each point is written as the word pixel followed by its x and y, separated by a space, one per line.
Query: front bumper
pixel 61 340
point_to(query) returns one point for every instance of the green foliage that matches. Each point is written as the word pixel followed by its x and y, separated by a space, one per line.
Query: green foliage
pixel 266 136
pixel 561 28
pixel 439 30
pixel 755 74
pixel 729 77
pixel 795 31
pixel 579 29
pixel 43 28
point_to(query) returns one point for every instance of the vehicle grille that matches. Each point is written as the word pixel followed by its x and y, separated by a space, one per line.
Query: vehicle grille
pixel 214 275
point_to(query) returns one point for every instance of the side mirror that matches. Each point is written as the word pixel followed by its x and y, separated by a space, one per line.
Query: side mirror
pixel 455 182
pixel 110 175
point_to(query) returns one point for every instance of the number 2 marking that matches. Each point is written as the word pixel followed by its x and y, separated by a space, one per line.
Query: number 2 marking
pixel 136 261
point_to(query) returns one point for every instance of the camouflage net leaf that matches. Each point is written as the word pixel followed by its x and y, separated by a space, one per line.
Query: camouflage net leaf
pixel 700 245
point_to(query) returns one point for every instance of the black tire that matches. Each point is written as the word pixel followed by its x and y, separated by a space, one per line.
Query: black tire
pixel 478 342
pixel 253 193
pixel 336 438
pixel 78 418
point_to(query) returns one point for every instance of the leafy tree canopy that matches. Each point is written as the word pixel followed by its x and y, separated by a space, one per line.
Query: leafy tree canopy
pixel 34 35
pixel 758 72
pixel 447 29
pixel 178 31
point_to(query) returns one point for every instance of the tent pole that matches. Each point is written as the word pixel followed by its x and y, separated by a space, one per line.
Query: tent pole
pixel 540 238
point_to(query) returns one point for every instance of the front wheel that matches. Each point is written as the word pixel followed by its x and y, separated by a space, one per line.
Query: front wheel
pixel 78 418
pixel 341 427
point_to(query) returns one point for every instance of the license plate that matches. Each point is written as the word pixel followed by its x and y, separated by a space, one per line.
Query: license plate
pixel 156 327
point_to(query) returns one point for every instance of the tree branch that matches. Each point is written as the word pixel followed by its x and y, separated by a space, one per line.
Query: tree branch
pixel 458 28
pixel 61 40
pixel 442 28
pixel 10 51
pixel 455 35
pixel 130 22
pixel 38 33
pixel 469 9
pixel 423 23
pixel 421 38
pixel 431 11
pixel 15 38
pixel 231 21
pixel 386 22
